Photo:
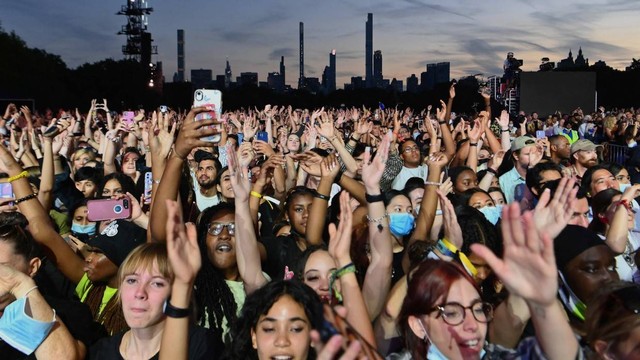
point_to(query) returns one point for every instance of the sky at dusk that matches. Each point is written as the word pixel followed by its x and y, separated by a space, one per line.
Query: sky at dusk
pixel 473 35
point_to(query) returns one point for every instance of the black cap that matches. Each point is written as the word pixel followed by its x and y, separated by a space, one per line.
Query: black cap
pixel 118 240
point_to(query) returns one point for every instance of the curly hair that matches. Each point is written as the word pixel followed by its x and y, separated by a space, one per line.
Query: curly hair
pixel 213 296
pixel 259 303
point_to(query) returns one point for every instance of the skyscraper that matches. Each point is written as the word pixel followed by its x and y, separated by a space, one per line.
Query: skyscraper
pixel 301 81
pixel 180 77
pixel 368 51
pixel 442 72
pixel 377 68
pixel 227 75
pixel 282 70
pixel 332 71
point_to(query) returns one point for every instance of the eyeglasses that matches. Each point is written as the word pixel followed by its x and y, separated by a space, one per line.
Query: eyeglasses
pixel 216 228
pixel 454 313
pixel 410 149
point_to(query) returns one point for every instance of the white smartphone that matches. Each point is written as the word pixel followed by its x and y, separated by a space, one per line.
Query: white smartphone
pixel 212 98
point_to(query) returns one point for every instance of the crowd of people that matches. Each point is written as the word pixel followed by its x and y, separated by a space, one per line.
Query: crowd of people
pixel 331 233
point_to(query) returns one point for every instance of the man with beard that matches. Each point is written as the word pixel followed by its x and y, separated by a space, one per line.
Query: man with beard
pixel 206 192
pixel 412 167
pixel 583 156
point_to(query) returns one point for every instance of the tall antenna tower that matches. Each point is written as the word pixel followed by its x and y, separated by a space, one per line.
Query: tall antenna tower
pixel 139 40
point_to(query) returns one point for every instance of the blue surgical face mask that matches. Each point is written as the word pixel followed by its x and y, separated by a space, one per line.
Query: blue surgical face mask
pixel 434 353
pixel 89 229
pixel 401 224
pixel 624 187
pixel 491 213
pixel 415 135
pixel 21 331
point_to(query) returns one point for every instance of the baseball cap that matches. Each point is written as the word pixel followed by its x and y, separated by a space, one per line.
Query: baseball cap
pixel 117 243
pixel 522 141
pixel 583 145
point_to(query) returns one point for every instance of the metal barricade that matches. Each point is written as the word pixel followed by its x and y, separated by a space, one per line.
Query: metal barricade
pixel 615 153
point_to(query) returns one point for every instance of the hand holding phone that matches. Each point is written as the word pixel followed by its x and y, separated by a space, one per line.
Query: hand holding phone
pixel 108 209
pixel 212 99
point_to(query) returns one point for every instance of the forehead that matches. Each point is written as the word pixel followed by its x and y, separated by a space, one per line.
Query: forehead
pixel 408 143
pixel 222 216
pixel 498 194
pixel 550 175
pixel 207 163
pixel 466 174
pixel 113 183
pixel 602 173
pixel 479 197
pixel 400 200
pixel 318 260
pixel 301 199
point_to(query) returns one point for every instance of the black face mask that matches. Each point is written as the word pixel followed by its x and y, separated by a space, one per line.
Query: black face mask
pixel 483 161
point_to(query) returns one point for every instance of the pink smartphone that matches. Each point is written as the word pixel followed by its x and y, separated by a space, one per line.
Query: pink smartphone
pixel 127 117
pixel 108 209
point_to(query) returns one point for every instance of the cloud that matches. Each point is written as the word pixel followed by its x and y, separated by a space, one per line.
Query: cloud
pixel 286 52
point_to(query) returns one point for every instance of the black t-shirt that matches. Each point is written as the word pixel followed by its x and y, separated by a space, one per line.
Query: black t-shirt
pixel 203 344
pixel 281 251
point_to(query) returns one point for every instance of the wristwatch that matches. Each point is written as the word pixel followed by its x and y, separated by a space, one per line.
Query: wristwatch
pixel 174 312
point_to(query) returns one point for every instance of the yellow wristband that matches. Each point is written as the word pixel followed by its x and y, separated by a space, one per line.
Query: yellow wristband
pixel 256 194
pixel 19 176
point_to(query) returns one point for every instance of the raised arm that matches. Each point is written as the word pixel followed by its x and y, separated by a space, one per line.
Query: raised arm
pixel 247 252
pixel 475 133
pixel 315 223
pixel 377 280
pixel 429 204
pixel 339 249
pixel 618 232
pixel 528 269
pixel 505 133
pixel 40 225
pixel 188 138
pixel 443 113
pixel 184 256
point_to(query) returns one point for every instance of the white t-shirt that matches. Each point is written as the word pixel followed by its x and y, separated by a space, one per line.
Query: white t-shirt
pixel 407 173
pixel 202 201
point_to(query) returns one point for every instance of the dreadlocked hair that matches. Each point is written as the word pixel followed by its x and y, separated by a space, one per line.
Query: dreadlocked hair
pixel 214 299
pixel 112 317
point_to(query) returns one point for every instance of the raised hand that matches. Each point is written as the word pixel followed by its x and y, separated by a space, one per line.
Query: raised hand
pixel 340 236
pixel 553 215
pixel 441 112
pixel 250 127
pixel 182 246
pixel 310 162
pixel 192 131
pixel 325 127
pixel 452 230
pixel 452 91
pixel 372 172
pixel 329 167
pixel 245 154
pixel 363 127
pixel 503 120
pixel 528 265
pixel 475 132
pixel 239 173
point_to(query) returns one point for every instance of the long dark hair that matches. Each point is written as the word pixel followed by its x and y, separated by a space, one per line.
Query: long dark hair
pixel 259 303
pixel 214 299
pixel 428 284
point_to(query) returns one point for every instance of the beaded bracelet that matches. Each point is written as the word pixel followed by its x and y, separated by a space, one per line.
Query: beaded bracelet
pixel 377 220
pixel 432 183
pixel 28 197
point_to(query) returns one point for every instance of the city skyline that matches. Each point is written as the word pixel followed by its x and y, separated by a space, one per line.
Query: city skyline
pixel 254 35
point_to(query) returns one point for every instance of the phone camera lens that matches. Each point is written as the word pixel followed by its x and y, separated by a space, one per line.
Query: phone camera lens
pixel 117 209
pixel 125 202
